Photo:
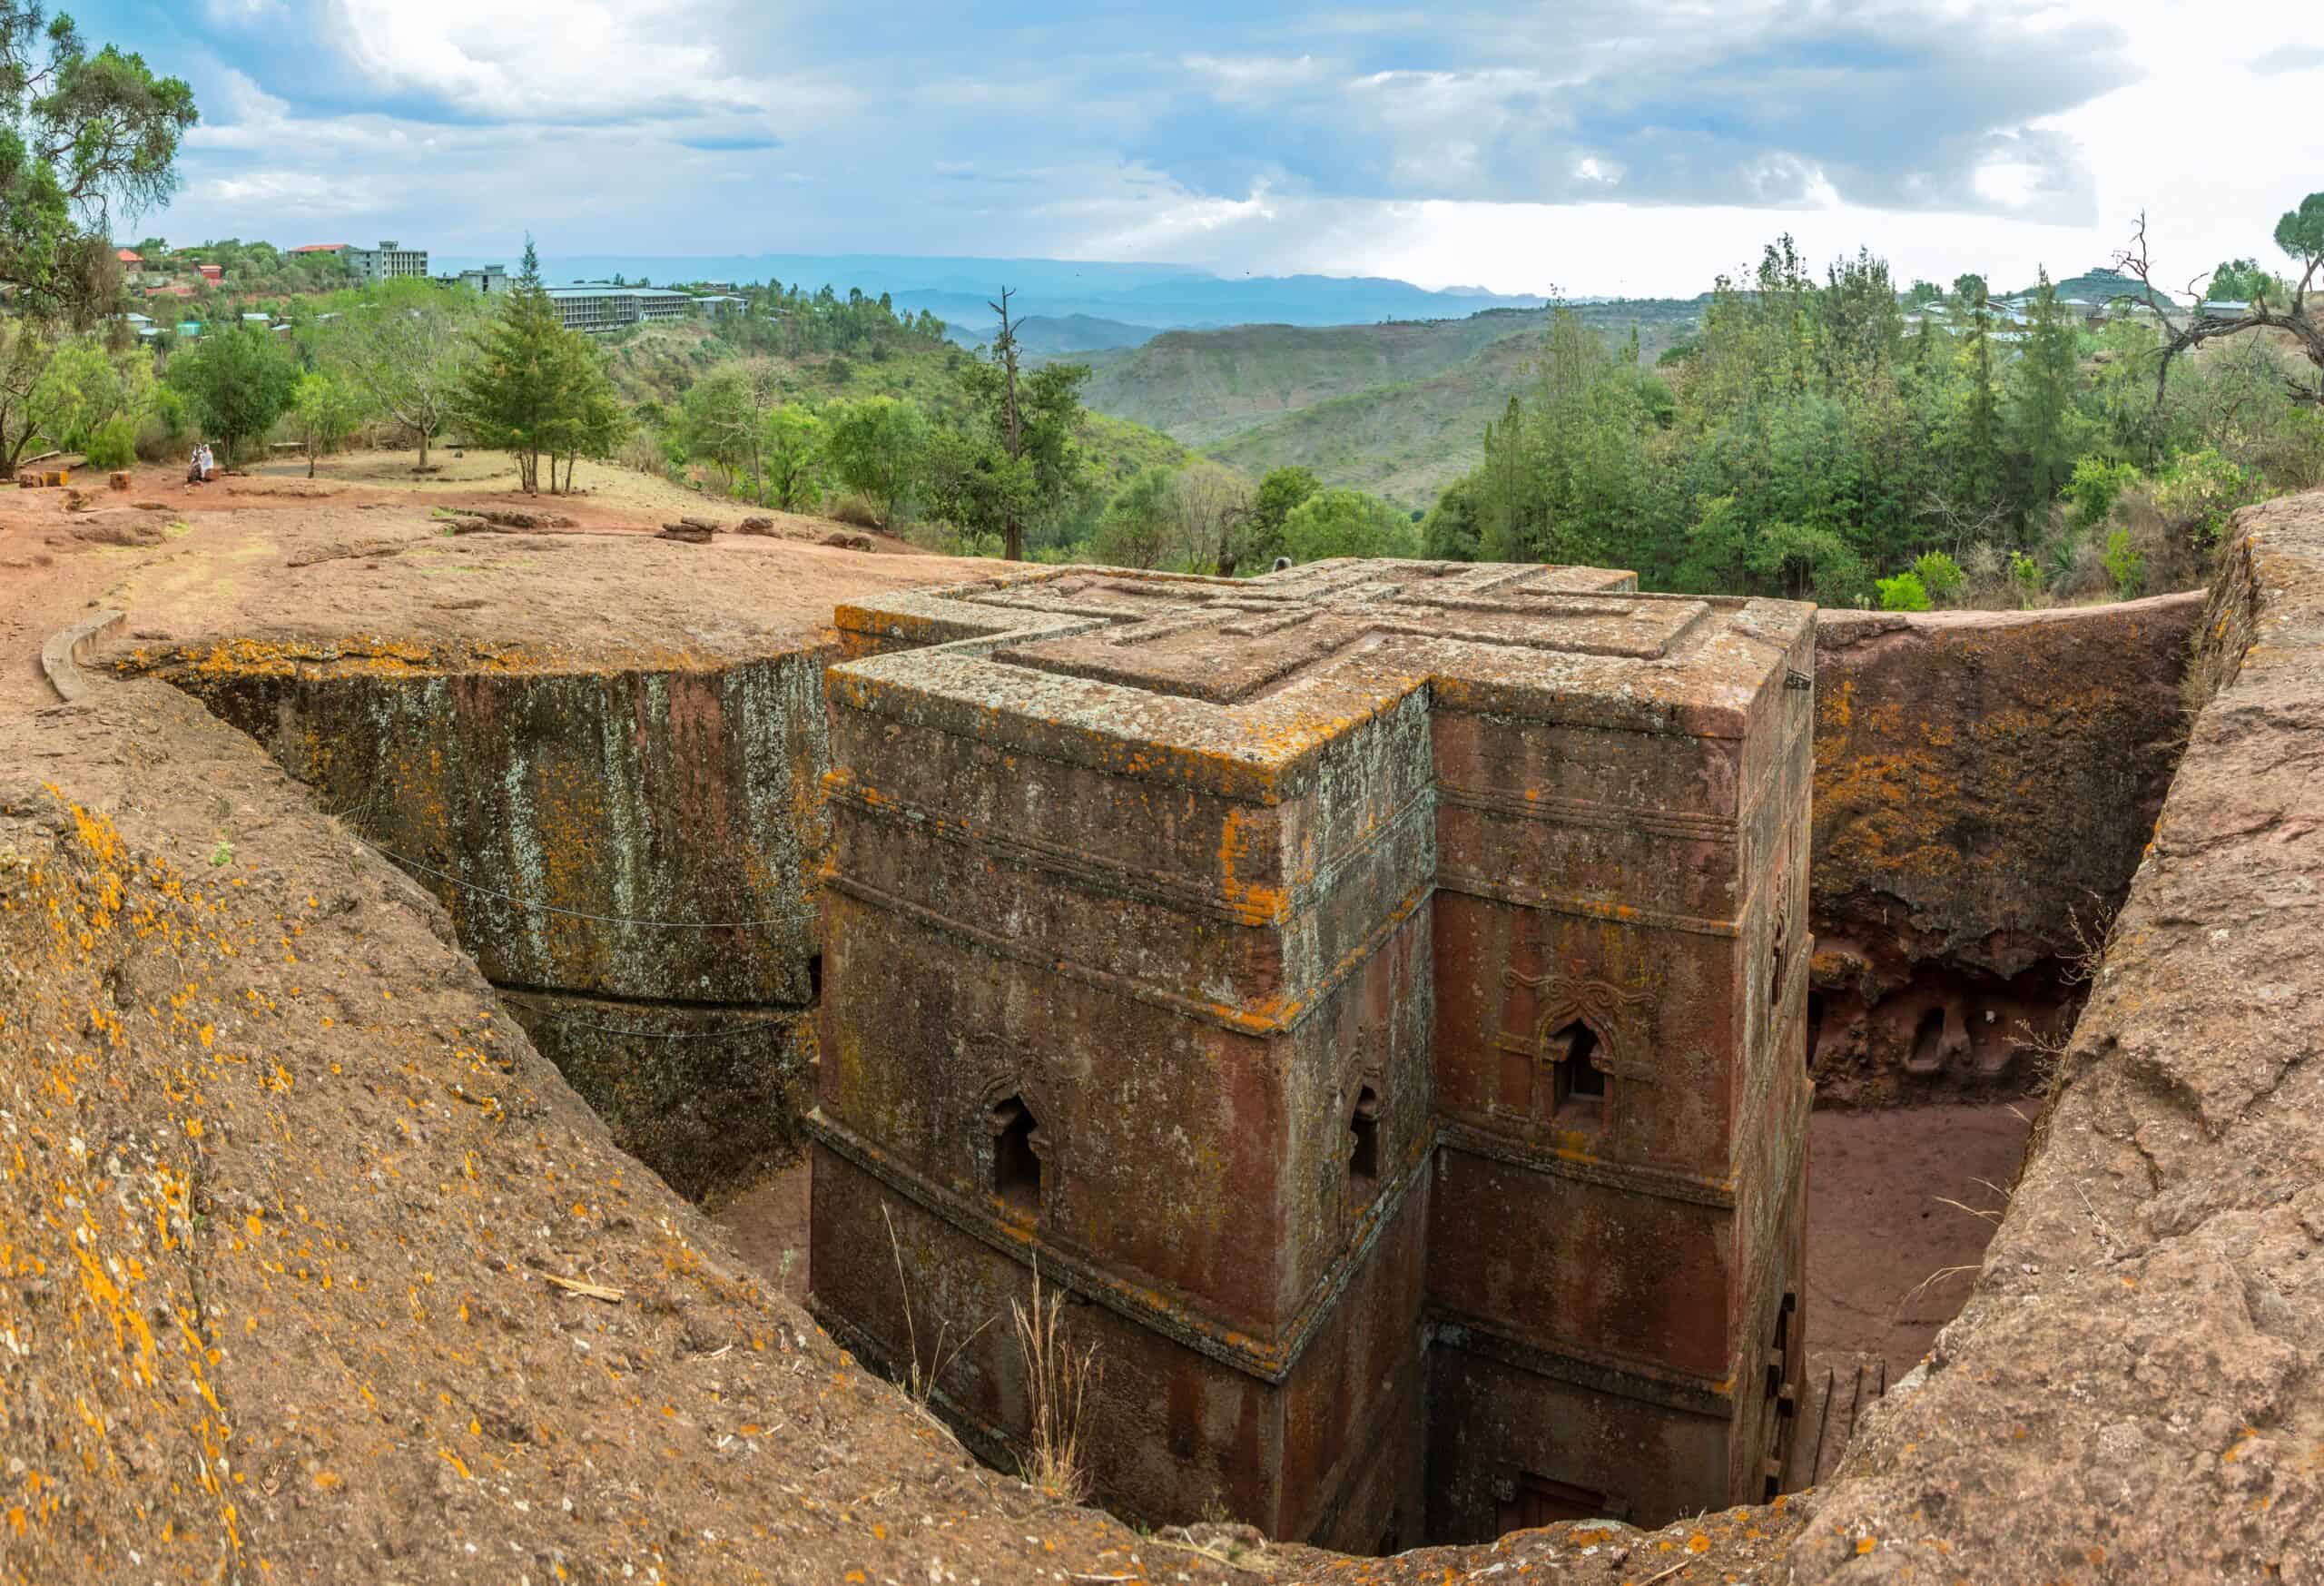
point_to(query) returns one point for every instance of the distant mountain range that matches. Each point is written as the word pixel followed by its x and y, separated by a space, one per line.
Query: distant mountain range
pixel 1126 297
pixel 1045 336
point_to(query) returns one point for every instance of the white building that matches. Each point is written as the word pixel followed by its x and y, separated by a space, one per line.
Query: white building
pixel 387 262
pixel 597 306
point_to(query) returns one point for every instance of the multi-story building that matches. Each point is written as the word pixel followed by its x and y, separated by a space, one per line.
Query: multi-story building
pixel 1375 993
pixel 597 306
pixel 387 262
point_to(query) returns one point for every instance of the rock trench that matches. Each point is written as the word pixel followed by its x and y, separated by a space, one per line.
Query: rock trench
pixel 631 856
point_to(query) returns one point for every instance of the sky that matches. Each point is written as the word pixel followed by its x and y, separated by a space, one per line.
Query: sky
pixel 1589 147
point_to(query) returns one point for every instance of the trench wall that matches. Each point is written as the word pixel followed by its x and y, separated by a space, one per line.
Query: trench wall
pixel 630 856
pixel 1986 784
pixel 2132 1391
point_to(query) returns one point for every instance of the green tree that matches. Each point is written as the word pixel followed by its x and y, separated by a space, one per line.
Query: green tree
pixel 238 380
pixel 722 420
pixel 81 135
pixel 87 387
pixel 874 449
pixel 1013 465
pixel 1278 493
pixel 2092 489
pixel 1135 529
pixel 325 409
pixel 2243 281
pixel 590 420
pixel 1450 532
pixel 407 350
pixel 24 353
pixel 1347 522
pixel 2043 384
pixel 530 389
pixel 793 448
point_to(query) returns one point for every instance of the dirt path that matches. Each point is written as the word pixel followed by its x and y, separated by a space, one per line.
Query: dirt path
pixel 268 558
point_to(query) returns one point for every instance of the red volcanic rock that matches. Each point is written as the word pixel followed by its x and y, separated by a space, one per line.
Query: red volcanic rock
pixel 1985 785
pixel 1377 988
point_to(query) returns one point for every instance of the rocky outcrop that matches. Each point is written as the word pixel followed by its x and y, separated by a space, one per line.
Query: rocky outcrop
pixel 1985 785
pixel 2131 1391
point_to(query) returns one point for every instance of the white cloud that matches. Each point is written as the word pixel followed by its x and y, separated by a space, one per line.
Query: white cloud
pixel 579 61
pixel 1254 80
pixel 473 117
pixel 303 191
pixel 2290 57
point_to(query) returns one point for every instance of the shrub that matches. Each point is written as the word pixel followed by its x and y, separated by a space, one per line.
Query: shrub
pixel 112 446
pixel 2025 577
pixel 2199 492
pixel 1940 575
pixel 2125 564
pixel 850 508
pixel 1905 592
pixel 2093 489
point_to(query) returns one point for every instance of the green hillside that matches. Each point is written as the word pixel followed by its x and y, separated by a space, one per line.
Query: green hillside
pixel 1401 442
pixel 1203 386
pixel 1398 410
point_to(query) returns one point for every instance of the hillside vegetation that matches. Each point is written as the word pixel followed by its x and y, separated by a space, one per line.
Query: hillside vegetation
pixel 1815 441
pixel 1397 409
pixel 1405 441
pixel 654 366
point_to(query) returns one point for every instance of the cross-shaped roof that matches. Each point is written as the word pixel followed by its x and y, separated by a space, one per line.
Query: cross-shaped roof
pixel 1250 676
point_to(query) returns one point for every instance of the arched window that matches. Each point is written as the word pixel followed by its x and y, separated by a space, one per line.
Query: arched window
pixel 1578 1093
pixel 1364 1147
pixel 1016 1165
pixel 1774 972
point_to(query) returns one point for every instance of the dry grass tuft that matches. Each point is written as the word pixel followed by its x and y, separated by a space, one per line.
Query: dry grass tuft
pixel 1057 1380
pixel 919 1384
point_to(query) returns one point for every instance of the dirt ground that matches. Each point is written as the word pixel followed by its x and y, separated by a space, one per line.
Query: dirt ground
pixel 357 554
pixel 1891 1250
